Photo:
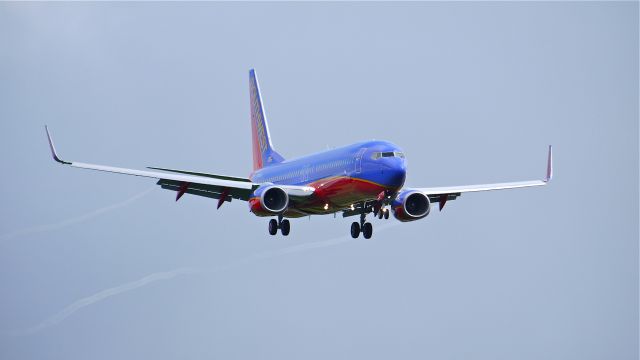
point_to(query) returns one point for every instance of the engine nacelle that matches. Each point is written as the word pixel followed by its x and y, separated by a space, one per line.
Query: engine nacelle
pixel 411 205
pixel 268 200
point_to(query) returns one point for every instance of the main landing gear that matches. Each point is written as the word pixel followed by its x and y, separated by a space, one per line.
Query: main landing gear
pixel 365 227
pixel 282 224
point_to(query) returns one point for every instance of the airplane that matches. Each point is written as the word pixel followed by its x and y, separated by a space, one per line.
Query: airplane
pixel 356 180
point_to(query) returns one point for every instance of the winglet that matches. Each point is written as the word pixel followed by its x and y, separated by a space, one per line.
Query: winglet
pixel 53 149
pixel 549 165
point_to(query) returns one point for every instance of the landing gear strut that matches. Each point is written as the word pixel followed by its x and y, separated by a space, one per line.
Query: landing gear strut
pixel 282 224
pixel 365 227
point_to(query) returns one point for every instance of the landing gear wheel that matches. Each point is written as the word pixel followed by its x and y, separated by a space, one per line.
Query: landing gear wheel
pixel 285 227
pixel 386 215
pixel 380 214
pixel 355 230
pixel 367 230
pixel 273 227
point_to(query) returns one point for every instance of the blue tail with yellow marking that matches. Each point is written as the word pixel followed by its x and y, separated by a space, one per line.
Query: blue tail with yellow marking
pixel 263 152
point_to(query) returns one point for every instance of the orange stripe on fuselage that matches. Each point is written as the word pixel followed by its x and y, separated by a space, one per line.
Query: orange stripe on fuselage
pixel 340 192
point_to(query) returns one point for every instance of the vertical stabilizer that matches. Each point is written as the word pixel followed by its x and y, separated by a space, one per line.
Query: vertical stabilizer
pixel 263 152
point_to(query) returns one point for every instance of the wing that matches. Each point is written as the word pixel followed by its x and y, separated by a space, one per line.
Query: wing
pixel 214 186
pixel 224 177
pixel 443 194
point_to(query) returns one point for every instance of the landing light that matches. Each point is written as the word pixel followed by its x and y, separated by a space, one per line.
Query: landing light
pixel 352 207
pixel 326 206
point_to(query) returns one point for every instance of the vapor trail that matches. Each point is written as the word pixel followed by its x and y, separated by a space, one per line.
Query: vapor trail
pixel 74 220
pixel 291 250
pixel 104 294
pixel 309 246
pixel 120 289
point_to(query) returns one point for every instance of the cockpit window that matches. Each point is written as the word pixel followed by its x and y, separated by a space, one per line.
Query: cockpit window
pixel 378 155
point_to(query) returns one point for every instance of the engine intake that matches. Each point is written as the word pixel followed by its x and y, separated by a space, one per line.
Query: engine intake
pixel 411 205
pixel 274 199
pixel 269 200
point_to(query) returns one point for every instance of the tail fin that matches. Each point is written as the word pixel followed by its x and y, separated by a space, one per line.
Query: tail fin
pixel 263 152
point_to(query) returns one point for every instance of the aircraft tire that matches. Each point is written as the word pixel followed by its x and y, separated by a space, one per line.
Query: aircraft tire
pixel 386 215
pixel 367 230
pixel 355 230
pixel 285 227
pixel 273 227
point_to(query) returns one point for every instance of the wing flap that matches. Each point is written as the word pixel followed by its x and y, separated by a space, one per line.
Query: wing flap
pixel 210 191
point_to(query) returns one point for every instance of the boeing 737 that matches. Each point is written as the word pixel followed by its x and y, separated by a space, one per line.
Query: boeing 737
pixel 355 180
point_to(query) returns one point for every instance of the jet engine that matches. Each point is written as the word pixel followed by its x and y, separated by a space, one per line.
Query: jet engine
pixel 411 205
pixel 268 201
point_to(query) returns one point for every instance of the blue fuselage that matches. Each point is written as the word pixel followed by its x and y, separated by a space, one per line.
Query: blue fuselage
pixel 342 176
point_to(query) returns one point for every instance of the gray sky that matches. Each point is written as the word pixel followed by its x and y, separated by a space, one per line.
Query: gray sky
pixel 95 265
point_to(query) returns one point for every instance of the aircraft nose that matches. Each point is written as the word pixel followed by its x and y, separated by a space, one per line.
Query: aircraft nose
pixel 396 175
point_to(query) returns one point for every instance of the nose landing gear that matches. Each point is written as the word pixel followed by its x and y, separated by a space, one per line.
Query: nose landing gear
pixel 282 224
pixel 382 213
